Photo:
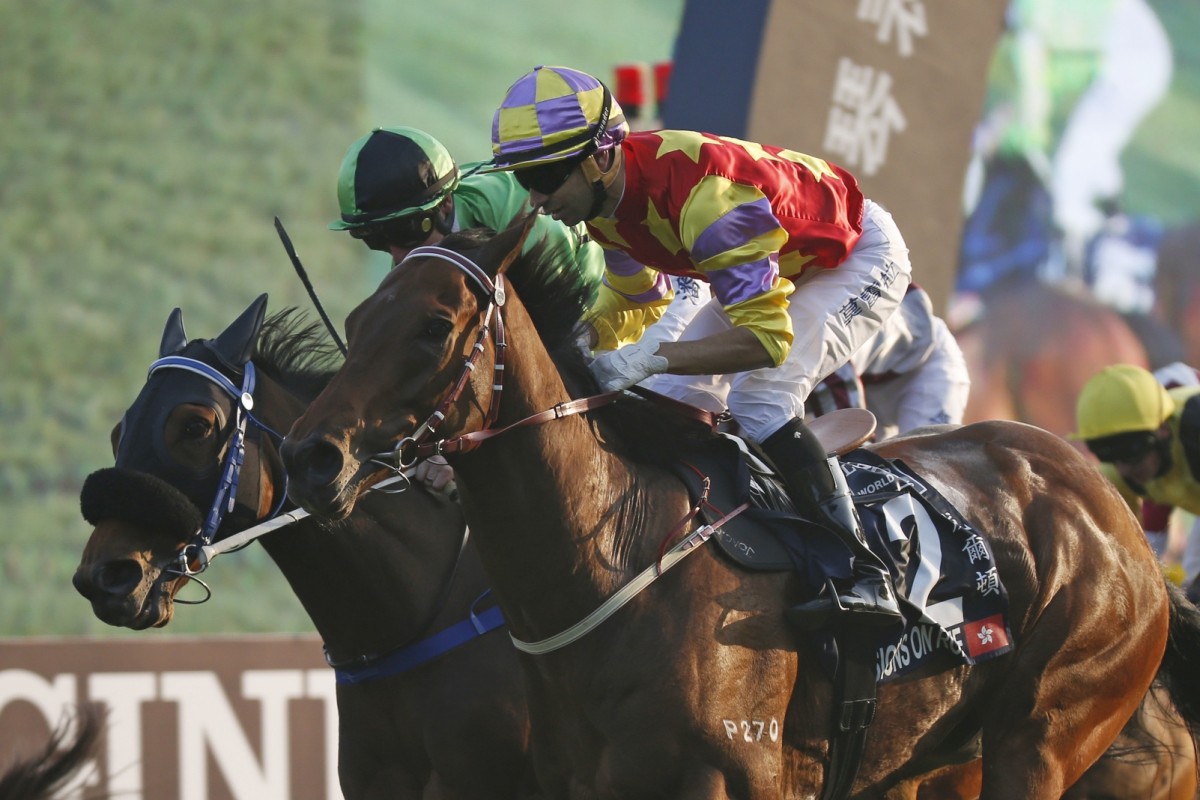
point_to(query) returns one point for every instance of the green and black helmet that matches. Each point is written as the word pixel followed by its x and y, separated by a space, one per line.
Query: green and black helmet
pixel 392 173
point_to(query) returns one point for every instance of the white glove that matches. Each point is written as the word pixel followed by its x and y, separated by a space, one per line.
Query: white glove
pixel 436 475
pixel 620 369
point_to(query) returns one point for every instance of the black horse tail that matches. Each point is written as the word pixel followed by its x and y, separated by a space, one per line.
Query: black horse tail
pixel 1181 662
pixel 44 774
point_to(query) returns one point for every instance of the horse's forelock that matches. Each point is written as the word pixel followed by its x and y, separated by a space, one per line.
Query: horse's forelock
pixel 553 288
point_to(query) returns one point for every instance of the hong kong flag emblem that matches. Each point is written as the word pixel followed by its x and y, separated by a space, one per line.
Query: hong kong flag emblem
pixel 985 636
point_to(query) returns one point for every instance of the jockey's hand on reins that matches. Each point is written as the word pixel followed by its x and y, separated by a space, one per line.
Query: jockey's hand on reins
pixel 436 476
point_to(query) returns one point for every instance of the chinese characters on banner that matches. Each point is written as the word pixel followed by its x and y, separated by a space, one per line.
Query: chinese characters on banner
pixel 892 90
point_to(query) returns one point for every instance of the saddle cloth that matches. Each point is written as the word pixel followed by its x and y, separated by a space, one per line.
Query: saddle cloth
pixel 954 603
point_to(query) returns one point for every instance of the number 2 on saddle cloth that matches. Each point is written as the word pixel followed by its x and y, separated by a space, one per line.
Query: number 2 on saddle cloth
pixel 954 604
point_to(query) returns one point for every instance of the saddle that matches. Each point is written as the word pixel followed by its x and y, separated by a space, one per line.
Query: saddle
pixel 738 472
pixel 954 603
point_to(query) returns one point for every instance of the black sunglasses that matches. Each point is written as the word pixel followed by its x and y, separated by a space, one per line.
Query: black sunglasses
pixel 546 178
pixel 1123 448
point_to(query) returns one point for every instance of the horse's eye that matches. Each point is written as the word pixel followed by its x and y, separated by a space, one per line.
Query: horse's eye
pixel 437 329
pixel 197 429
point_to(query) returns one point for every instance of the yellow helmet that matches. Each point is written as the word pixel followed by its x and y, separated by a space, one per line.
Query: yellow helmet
pixel 1121 399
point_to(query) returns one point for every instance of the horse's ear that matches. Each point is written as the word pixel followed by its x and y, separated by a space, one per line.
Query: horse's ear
pixel 503 248
pixel 174 338
pixel 236 343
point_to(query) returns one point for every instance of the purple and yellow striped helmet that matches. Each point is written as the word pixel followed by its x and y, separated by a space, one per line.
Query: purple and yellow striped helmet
pixel 554 113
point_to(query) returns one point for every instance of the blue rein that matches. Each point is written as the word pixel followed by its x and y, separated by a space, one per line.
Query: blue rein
pixel 414 655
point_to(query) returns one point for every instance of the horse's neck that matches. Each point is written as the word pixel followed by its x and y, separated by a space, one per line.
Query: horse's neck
pixel 554 513
pixel 368 583
pixel 376 580
pixel 277 407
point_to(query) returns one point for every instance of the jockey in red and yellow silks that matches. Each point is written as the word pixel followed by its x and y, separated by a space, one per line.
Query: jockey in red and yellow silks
pixel 741 218
pixel 803 271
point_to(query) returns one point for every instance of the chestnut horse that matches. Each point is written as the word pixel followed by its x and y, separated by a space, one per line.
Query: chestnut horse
pixel 1033 349
pixel 1177 287
pixel 1154 758
pixel 377 585
pixel 696 687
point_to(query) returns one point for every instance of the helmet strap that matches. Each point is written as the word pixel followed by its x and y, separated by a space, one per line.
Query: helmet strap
pixel 1163 447
pixel 601 180
pixel 443 218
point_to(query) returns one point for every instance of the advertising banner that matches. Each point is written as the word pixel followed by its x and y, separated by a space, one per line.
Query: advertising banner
pixel 890 89
pixel 187 718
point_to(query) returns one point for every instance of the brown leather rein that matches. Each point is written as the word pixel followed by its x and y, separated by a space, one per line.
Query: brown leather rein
pixel 415 448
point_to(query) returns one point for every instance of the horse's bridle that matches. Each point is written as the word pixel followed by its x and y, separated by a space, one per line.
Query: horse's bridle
pixel 414 448
pixel 231 467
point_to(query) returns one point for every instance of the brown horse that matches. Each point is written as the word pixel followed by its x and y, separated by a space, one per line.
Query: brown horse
pixel 1034 348
pixel 46 774
pixel 696 687
pixel 1154 758
pixel 377 586
pixel 1177 287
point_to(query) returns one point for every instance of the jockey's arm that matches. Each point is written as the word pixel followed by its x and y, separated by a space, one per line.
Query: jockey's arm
pixel 744 278
pixel 735 350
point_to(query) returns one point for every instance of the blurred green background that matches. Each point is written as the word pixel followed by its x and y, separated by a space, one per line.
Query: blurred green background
pixel 1161 163
pixel 144 152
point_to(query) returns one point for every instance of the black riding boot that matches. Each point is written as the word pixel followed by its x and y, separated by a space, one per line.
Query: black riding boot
pixel 818 488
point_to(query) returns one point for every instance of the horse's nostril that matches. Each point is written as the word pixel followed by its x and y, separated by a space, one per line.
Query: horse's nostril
pixel 325 460
pixel 119 577
pixel 320 462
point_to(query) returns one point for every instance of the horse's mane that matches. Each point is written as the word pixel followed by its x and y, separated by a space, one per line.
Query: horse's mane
pixel 552 287
pixel 557 295
pixel 296 352
pixel 44 774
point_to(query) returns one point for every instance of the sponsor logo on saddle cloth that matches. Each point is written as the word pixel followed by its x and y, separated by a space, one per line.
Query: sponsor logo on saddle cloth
pixel 943 567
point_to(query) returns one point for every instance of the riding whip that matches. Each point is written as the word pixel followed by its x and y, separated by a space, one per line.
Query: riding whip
pixel 291 251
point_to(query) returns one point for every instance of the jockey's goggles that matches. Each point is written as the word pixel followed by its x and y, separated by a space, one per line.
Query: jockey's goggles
pixel 1123 448
pixel 546 178
pixel 404 232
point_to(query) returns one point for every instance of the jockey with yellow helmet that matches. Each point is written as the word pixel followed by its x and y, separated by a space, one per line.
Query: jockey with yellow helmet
pixel 803 269
pixel 1147 438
